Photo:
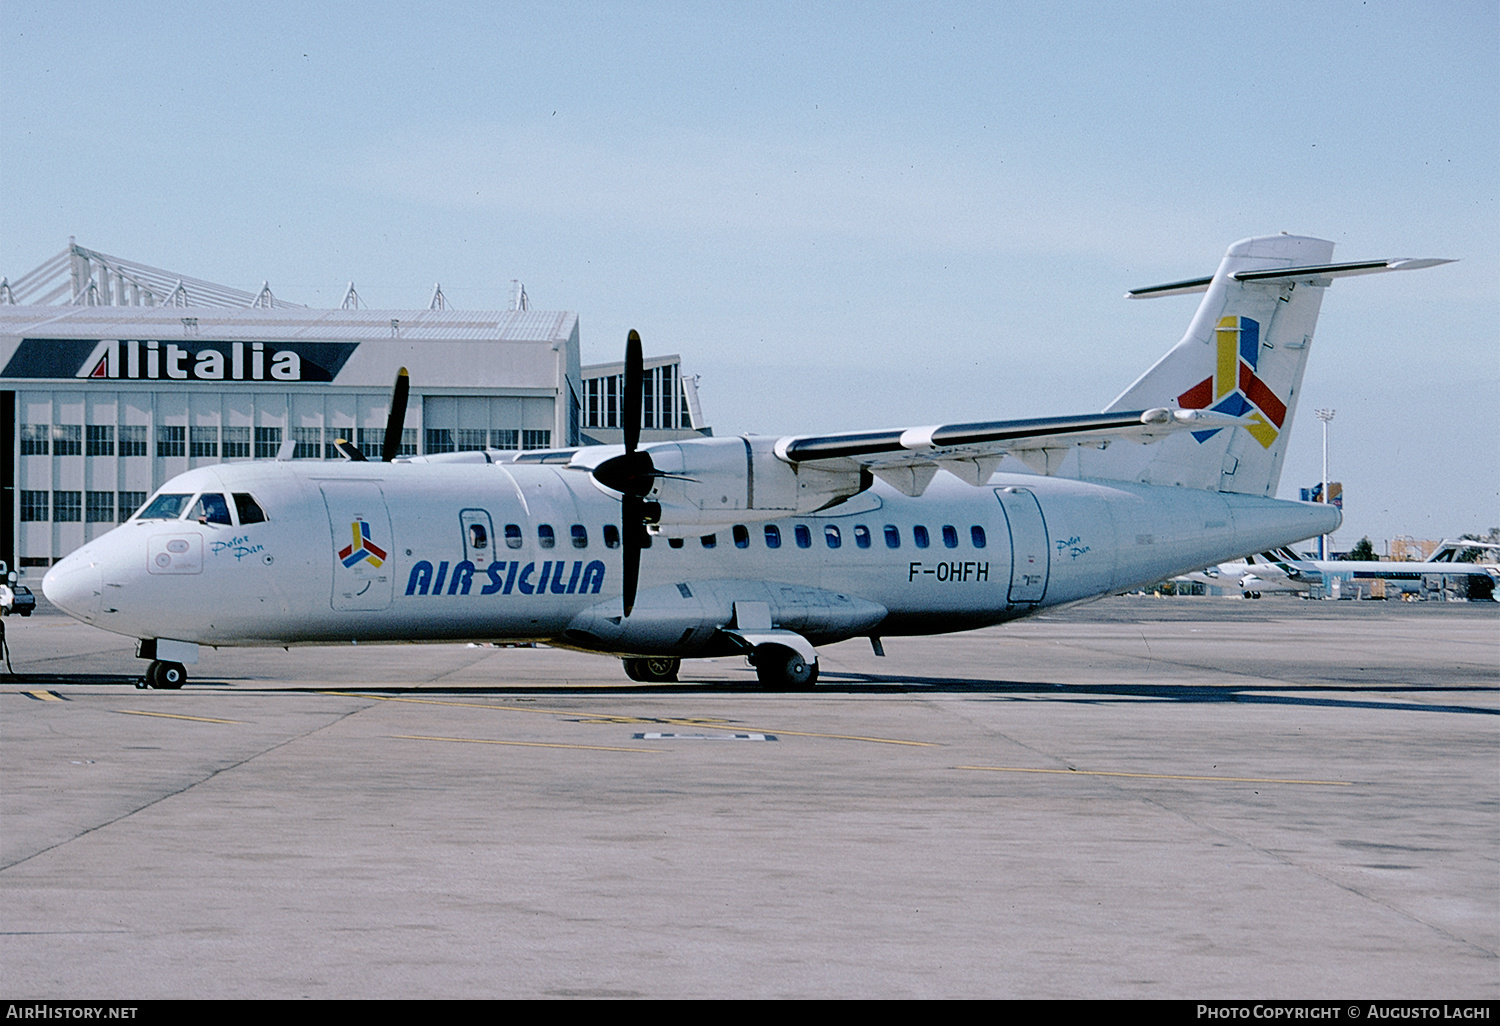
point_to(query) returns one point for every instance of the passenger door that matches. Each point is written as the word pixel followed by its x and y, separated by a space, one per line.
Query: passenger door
pixel 479 537
pixel 1030 555
pixel 362 545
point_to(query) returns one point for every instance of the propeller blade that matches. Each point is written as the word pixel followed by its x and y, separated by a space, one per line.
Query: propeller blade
pixel 634 399
pixel 396 422
pixel 349 450
pixel 631 530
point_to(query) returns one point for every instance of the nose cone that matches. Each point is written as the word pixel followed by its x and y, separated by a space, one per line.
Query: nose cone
pixel 74 586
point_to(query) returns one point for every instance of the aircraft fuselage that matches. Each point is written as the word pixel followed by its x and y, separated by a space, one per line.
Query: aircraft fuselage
pixel 491 551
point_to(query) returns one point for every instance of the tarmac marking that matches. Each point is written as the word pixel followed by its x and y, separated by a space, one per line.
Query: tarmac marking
pixel 523 744
pixel 44 696
pixel 1160 776
pixel 682 722
pixel 175 716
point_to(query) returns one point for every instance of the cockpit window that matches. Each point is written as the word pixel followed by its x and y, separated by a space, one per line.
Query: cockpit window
pixel 211 509
pixel 166 506
pixel 248 509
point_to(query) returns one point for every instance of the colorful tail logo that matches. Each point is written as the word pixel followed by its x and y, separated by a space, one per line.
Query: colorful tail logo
pixel 363 547
pixel 1234 389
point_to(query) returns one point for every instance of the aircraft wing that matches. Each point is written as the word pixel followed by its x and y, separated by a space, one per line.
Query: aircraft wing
pixel 907 458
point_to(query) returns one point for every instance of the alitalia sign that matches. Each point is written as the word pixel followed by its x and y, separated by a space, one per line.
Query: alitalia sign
pixel 178 360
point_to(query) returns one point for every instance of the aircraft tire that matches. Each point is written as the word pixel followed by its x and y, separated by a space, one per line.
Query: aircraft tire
pixel 653 670
pixel 781 669
pixel 149 680
pixel 170 676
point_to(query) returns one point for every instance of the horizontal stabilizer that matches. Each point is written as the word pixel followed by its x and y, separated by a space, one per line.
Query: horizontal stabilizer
pixel 1280 274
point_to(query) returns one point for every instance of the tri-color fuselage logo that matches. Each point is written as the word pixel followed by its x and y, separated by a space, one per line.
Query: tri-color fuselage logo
pixel 1234 387
pixel 362 548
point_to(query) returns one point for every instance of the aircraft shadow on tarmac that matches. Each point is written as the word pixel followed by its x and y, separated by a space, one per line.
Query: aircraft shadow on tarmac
pixel 1326 695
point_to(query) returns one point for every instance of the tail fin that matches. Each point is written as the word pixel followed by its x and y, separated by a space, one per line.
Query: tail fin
pixel 1243 354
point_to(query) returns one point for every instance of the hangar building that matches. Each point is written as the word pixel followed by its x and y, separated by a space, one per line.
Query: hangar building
pixel 115 376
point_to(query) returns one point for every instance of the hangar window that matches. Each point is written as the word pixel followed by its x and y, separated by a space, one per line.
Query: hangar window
pixel 950 536
pixel 803 536
pixel 919 536
pixel 248 509
pixel 36 439
pixel 129 503
pixel 67 507
pixel 471 439
pixel 203 441
pixel 513 536
pixel 439 440
pixel 504 438
pixel 580 536
pixel 171 440
pixel 35 505
pixel 831 536
pixel 133 440
pixel 892 536
pixel 67 439
pixel 545 536
pixel 773 536
pixel 611 536
pixel 166 506
pixel 741 536
pixel 862 536
pixel 708 541
pixel 309 443
pixel 267 442
pixel 236 442
pixel 976 535
pixel 99 507
pixel 211 509
pixel 99 440
pixel 536 439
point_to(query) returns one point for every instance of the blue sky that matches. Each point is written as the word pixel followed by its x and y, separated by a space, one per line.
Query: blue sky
pixel 841 215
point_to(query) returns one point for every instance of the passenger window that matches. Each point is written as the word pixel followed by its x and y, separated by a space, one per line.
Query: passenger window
pixel 211 509
pixel 741 537
pixel 611 536
pixel 675 543
pixel 709 540
pixel 804 536
pixel 580 536
pixel 513 536
pixel 773 536
pixel 950 536
pixel 831 536
pixel 919 536
pixel 862 536
pixel 248 509
pixel 164 507
pixel 479 538
pixel 976 535
pixel 892 536
pixel 545 536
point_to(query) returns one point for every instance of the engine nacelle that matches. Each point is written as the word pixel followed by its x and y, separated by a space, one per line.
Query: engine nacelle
pixel 685 619
pixel 714 482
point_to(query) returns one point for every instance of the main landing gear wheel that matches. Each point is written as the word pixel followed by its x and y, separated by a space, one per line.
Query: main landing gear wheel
pixel 169 676
pixel 652 670
pixel 783 669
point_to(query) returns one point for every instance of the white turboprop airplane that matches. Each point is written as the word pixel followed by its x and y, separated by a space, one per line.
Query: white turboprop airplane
pixel 1253 575
pixel 756 545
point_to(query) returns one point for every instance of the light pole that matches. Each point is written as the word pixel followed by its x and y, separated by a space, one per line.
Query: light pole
pixel 1325 416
